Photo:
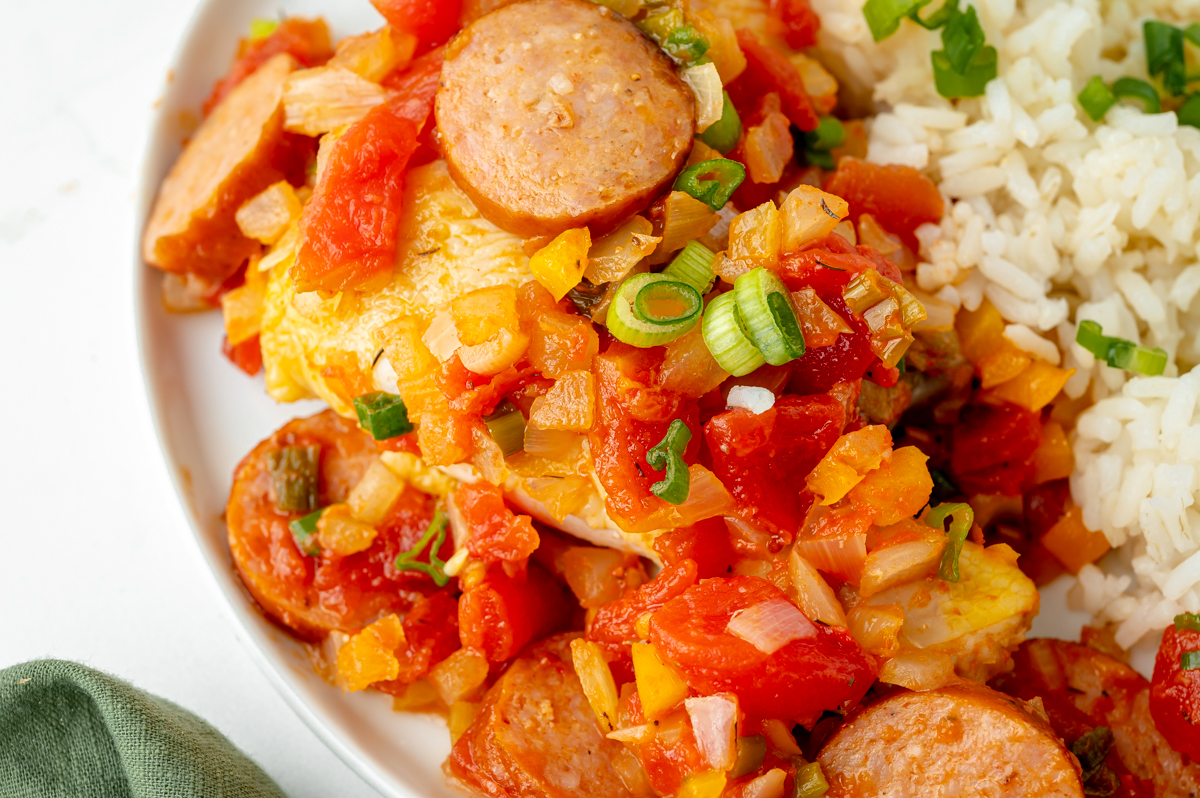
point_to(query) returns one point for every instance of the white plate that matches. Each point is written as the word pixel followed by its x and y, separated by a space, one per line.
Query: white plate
pixel 208 415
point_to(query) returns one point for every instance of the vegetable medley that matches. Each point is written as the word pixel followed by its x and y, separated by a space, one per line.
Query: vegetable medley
pixel 647 464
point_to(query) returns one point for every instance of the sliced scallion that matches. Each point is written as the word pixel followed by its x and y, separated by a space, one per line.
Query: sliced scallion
pixel 726 337
pixel 294 472
pixel 685 44
pixel 810 781
pixel 382 415
pixel 962 39
pixel 1189 660
pixel 693 266
pixel 952 85
pixel 652 310
pixel 1189 112
pixel 1120 353
pixel 1192 33
pixel 1136 89
pixel 1096 98
pixel 1164 54
pixel 828 135
pixel 961 518
pixel 304 532
pixel 1187 620
pixel 435 568
pixel 507 427
pixel 769 315
pixel 667 455
pixel 723 135
pixel 884 16
pixel 820 158
pixel 712 182
pixel 938 18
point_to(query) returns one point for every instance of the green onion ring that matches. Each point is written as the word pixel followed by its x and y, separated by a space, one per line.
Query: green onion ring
pixel 769 314
pixel 726 337
pixel 632 320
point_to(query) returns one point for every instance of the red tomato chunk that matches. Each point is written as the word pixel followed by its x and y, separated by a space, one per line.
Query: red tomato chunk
pixel 1175 693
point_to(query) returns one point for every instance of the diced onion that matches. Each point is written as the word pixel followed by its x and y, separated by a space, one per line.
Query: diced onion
pixel 442 336
pixel 707 497
pixel 322 99
pixel 768 147
pixel 496 354
pixel 779 734
pixel 903 562
pixel 633 734
pixel 706 84
pixel 771 625
pixel 612 257
pixel 939 315
pixel 768 785
pixel 756 400
pixel 685 219
pixel 597 680
pixel 814 596
pixel 459 675
pixel 810 214
pixel 877 629
pixel 714 723
pixel 842 557
pixel 918 670
pixel 374 494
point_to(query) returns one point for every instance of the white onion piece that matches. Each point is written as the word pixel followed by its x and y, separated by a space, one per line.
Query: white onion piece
pixel 384 376
pixel 442 336
pixel 918 670
pixel 632 734
pixel 706 85
pixel 756 400
pixel 768 785
pixel 771 625
pixel 714 722
pixel 814 596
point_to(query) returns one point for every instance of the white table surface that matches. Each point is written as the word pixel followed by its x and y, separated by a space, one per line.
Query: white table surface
pixel 97 563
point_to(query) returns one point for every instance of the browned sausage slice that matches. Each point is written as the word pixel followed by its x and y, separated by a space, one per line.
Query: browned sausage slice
pixel 238 151
pixel 536 735
pixel 963 740
pixel 559 113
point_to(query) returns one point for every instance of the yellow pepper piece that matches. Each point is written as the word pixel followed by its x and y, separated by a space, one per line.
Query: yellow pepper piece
pixel 658 685
pixel 852 457
pixel 559 265
pixel 1035 387
pixel 569 404
pixel 896 490
pixel 462 715
pixel 369 656
pixel 1002 365
pixel 709 784
pixel 1053 459
pixel 1073 543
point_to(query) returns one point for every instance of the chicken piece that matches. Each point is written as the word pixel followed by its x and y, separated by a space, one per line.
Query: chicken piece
pixel 977 620
pixel 323 346
pixel 962 740
pixel 1109 693
pixel 536 735
pixel 239 150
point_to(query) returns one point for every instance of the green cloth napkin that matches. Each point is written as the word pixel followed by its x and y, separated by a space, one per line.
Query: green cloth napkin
pixel 67 731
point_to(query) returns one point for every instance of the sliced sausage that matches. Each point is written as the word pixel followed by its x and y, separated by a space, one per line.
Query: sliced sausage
pixel 313 595
pixel 559 113
pixel 1109 693
pixel 536 736
pixel 956 741
pixel 239 150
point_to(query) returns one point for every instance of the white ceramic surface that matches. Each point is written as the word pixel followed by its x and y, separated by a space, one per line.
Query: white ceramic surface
pixel 208 415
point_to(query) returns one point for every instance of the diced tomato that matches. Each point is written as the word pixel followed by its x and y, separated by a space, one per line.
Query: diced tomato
pixel 430 635
pixel 402 443
pixel 433 22
pixel 1043 505
pixel 614 622
pixel 503 613
pixel 476 394
pixel 349 226
pixel 414 88
pixel 668 758
pixel 992 449
pixel 800 22
pixel 632 416
pixel 1175 693
pixel 827 671
pixel 899 197
pixel 763 459
pixel 769 70
pixel 305 40
pixel 497 533
pixel 707 543
pixel 247 355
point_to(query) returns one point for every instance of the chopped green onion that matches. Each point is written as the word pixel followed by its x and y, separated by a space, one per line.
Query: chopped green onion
pixel 820 158
pixel 435 568
pixel 1189 112
pixel 294 472
pixel 962 518
pixel 1187 620
pixel 1189 660
pixel 1135 89
pixel 1119 353
pixel 304 532
pixel 810 781
pixel 1096 98
pixel 685 44
pixel 726 177
pixel 751 751
pixel 884 16
pixel 668 455
pixel 1192 33
pixel 262 28
pixel 726 337
pixel 938 18
pixel 693 266
pixel 962 39
pixel 769 314
pixel 652 310
pixel 659 24
pixel 952 85
pixel 507 426
pixel 1164 54
pixel 382 415
pixel 829 134
pixel 723 135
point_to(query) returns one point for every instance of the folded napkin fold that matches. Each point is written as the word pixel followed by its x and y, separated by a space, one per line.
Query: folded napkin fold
pixel 67 731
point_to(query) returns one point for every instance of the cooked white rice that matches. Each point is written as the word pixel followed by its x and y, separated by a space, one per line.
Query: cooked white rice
pixel 1057 219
